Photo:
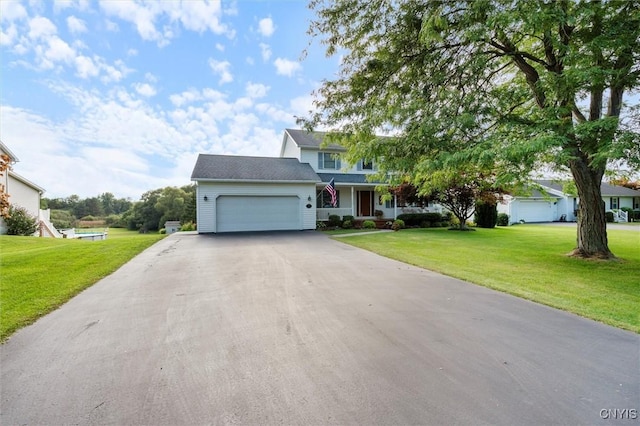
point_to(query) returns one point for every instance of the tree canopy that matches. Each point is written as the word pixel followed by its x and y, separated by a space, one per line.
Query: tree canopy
pixel 498 87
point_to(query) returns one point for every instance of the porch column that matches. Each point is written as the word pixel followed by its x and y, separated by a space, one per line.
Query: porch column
pixel 353 204
pixel 395 206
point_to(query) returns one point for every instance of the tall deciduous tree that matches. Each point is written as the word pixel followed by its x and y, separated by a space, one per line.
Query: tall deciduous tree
pixel 503 85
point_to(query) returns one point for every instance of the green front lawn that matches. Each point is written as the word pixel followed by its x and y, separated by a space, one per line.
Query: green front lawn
pixel 39 274
pixel 528 261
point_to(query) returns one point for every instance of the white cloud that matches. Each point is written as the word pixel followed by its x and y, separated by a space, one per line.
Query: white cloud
pixel 59 5
pixel 41 28
pixel 11 11
pixel 75 25
pixel 274 113
pixel 256 90
pixel 301 105
pixel 142 17
pixel 220 47
pixel 154 21
pixel 111 26
pixel 85 67
pixel 286 67
pixel 265 51
pixel 145 89
pixel 132 52
pixel 8 37
pixel 186 97
pixel 59 51
pixel 221 68
pixel 249 60
pixel 266 27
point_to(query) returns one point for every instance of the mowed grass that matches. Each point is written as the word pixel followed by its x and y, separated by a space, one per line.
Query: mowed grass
pixel 528 261
pixel 37 275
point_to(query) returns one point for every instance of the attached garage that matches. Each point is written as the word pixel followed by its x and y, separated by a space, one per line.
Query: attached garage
pixel 236 213
pixel 238 194
pixel 530 209
pixel 535 211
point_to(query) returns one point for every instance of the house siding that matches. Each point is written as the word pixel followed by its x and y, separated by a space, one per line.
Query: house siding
pixel 290 149
pixel 24 196
pixel 206 210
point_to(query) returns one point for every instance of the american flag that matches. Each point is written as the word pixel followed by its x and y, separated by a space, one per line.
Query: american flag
pixel 331 189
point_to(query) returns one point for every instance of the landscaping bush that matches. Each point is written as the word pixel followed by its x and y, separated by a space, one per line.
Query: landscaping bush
pixel 320 225
pixel 348 221
pixel 189 226
pixel 629 212
pixel 334 220
pixel 486 215
pixel 20 222
pixel 397 225
pixel 369 224
pixel 636 215
pixel 417 219
pixel 162 231
pixel 502 219
pixel 609 216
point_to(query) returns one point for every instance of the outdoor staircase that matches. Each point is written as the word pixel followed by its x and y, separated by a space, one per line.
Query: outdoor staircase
pixel 46 228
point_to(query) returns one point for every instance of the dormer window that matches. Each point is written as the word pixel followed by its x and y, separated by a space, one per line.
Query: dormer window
pixel 328 160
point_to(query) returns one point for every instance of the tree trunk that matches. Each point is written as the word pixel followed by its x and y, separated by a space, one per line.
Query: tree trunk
pixel 592 225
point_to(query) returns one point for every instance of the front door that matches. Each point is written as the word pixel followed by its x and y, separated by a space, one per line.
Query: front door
pixel 365 203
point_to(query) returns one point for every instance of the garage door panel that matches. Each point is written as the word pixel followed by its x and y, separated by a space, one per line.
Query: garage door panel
pixel 535 211
pixel 257 213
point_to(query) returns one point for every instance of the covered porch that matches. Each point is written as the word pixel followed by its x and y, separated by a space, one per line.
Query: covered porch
pixel 355 197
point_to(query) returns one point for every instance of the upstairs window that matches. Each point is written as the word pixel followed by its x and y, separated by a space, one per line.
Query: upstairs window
pixel 327 160
pixel 365 165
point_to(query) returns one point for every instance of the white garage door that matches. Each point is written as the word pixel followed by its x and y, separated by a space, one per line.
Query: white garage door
pixel 257 213
pixel 535 211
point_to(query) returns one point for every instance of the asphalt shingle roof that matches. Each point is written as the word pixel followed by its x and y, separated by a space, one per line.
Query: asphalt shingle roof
pixel 607 189
pixel 241 168
pixel 305 139
pixel 347 178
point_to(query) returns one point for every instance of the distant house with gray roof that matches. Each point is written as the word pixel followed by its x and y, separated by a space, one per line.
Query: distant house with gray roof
pixel 549 202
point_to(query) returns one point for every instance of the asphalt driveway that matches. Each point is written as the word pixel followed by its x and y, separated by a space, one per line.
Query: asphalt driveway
pixel 295 328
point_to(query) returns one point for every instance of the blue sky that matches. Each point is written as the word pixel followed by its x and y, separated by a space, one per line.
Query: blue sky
pixel 120 96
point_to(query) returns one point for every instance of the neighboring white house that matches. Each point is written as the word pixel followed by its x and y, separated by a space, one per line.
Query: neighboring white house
pixel 26 194
pixel 550 203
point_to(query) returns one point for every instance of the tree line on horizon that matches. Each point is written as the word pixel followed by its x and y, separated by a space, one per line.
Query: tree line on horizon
pixel 148 214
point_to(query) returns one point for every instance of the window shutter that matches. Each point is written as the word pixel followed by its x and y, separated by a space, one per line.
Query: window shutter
pixel 320 162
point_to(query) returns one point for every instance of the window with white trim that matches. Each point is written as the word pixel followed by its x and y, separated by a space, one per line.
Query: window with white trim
pixel 324 199
pixel 614 203
pixel 389 204
pixel 366 165
pixel 328 161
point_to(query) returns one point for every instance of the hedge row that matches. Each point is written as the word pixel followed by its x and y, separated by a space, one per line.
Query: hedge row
pixel 419 219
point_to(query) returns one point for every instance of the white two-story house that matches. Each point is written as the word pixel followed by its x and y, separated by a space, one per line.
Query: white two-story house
pixel 239 193
pixel 26 194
